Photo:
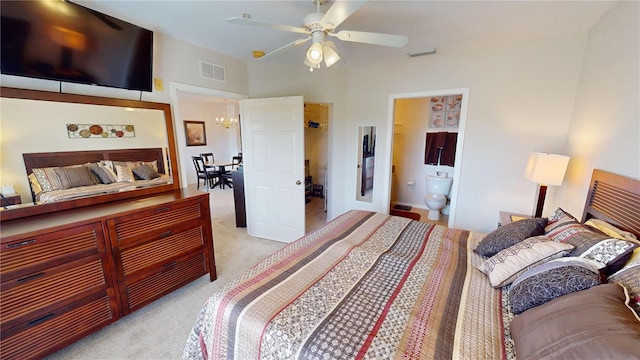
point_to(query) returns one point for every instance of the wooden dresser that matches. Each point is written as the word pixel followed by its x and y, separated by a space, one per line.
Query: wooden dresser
pixel 68 274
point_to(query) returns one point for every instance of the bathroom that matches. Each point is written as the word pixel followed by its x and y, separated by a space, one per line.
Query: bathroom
pixel 425 140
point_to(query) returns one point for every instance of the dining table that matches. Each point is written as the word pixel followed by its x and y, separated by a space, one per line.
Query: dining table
pixel 222 169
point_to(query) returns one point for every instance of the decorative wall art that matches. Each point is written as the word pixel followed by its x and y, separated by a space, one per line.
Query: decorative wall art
pixel 85 131
pixel 195 133
pixel 444 111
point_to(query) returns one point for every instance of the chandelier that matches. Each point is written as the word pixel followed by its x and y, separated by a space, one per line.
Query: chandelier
pixel 226 121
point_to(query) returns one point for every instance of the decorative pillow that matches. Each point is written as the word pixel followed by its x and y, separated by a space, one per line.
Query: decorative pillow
pixel 571 231
pixel 510 234
pixel 145 172
pixel 124 174
pixel 74 176
pixel 611 230
pixel 611 253
pixel 552 279
pixel 629 277
pixel 591 324
pixel 105 174
pixel 35 185
pixel 153 164
pixel 505 266
pixel 560 215
pixel 47 178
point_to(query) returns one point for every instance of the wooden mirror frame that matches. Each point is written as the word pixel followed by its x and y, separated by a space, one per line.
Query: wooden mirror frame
pixel 26 210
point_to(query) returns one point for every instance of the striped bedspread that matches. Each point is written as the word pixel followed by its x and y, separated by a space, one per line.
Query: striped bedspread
pixel 364 286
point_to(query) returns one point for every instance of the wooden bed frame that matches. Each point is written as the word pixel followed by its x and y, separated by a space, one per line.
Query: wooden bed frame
pixel 614 199
pixel 67 158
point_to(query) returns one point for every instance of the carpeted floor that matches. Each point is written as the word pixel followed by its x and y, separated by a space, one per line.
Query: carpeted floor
pixel 160 329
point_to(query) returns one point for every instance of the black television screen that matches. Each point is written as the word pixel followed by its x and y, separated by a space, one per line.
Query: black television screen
pixel 62 41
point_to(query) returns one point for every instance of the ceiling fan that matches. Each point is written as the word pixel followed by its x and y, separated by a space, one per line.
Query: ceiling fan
pixel 317 26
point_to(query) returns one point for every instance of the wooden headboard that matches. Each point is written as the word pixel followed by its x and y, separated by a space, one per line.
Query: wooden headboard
pixel 67 158
pixel 614 199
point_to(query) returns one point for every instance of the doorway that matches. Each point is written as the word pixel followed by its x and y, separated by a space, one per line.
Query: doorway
pixel 413 117
pixel 316 139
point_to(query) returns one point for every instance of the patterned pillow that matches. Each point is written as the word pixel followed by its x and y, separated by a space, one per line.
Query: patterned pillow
pixel 613 254
pixel 74 176
pixel 124 174
pixel 47 179
pixel 629 277
pixel 145 172
pixel 510 234
pixel 571 231
pixel 505 266
pixel 105 174
pixel 550 280
pixel 559 215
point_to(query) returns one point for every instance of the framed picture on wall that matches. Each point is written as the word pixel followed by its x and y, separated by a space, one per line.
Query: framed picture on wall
pixel 195 133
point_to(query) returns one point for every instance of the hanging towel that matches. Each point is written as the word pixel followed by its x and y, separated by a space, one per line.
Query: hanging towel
pixel 431 151
pixel 441 140
pixel 440 148
pixel 448 153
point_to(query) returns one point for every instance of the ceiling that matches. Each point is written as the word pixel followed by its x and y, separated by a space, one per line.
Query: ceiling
pixel 444 25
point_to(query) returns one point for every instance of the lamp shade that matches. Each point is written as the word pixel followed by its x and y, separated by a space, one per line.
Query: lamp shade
pixel 546 169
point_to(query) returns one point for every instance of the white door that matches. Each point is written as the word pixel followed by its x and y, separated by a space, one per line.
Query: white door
pixel 273 162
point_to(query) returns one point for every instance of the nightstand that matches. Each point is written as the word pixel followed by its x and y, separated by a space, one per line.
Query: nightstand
pixel 509 217
pixel 13 199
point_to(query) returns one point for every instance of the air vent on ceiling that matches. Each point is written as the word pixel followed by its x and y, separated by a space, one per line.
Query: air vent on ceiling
pixel 213 71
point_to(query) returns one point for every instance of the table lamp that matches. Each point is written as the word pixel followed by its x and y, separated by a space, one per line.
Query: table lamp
pixel 545 169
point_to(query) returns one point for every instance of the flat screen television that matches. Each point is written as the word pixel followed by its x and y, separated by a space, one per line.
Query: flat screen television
pixel 62 41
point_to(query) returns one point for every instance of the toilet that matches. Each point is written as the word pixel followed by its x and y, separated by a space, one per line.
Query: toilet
pixel 438 187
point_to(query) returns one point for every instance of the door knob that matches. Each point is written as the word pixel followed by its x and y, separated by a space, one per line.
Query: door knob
pixel 298 182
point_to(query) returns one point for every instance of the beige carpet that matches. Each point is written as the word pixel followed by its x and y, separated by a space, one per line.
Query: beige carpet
pixel 160 329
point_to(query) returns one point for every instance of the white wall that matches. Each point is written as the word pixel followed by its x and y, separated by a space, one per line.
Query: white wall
pixel 220 141
pixel 521 98
pixel 605 126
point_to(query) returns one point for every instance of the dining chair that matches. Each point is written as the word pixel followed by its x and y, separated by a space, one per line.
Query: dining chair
pixel 203 173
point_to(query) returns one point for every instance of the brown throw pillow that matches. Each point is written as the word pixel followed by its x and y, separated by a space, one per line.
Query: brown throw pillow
pixel 590 324
pixel 74 176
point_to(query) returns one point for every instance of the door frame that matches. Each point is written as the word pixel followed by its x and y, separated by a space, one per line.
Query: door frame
pixel 177 124
pixel 459 146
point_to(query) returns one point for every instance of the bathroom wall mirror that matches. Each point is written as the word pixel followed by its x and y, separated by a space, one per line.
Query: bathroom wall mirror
pixel 366 160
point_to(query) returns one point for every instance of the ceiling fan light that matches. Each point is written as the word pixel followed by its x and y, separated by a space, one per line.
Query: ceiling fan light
pixel 314 54
pixel 330 53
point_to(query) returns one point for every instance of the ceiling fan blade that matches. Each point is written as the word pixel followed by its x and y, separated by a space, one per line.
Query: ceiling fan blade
pixel 243 21
pixel 339 12
pixel 285 47
pixel 372 38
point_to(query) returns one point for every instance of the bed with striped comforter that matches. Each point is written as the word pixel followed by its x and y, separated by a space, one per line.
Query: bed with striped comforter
pixel 364 286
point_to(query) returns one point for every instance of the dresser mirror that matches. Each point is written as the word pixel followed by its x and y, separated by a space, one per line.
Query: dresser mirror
pixel 39 122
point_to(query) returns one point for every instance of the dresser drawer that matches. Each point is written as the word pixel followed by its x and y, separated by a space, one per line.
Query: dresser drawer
pixel 51 288
pixel 163 280
pixel 153 221
pixel 20 256
pixel 49 332
pixel 159 251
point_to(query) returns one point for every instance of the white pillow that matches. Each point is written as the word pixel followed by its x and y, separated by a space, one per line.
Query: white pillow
pixel 505 266
pixel 124 174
